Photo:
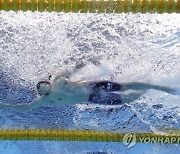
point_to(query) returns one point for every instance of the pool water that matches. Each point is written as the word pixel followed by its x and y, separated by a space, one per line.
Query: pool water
pixel 118 47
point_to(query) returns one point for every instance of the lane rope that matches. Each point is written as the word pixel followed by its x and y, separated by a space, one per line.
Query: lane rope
pixel 172 137
pixel 92 6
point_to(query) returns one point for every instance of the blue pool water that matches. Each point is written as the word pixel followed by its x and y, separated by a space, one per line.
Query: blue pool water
pixel 118 47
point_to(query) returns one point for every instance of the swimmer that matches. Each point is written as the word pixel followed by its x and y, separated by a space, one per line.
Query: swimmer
pixel 62 91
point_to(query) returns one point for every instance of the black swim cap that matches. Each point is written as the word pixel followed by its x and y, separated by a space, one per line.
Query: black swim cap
pixel 38 87
pixel 42 82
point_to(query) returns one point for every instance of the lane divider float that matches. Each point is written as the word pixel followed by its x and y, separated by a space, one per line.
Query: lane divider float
pixel 92 6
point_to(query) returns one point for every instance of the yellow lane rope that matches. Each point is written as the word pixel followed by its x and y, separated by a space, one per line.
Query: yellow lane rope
pixel 93 136
pixel 92 6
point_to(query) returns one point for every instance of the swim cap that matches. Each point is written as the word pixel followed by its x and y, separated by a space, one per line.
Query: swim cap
pixel 43 87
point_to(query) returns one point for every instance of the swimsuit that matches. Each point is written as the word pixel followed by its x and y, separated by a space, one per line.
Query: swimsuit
pixel 102 93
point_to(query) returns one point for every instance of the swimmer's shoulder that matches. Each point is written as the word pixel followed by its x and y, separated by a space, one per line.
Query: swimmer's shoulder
pixel 60 80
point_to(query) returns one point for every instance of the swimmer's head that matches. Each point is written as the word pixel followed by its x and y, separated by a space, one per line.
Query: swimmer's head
pixel 43 88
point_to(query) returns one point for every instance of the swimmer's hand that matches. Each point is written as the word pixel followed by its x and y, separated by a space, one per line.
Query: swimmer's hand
pixel 22 107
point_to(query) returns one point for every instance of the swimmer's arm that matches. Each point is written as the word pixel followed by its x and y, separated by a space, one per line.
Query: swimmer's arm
pixel 64 74
pixel 67 73
pixel 23 107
